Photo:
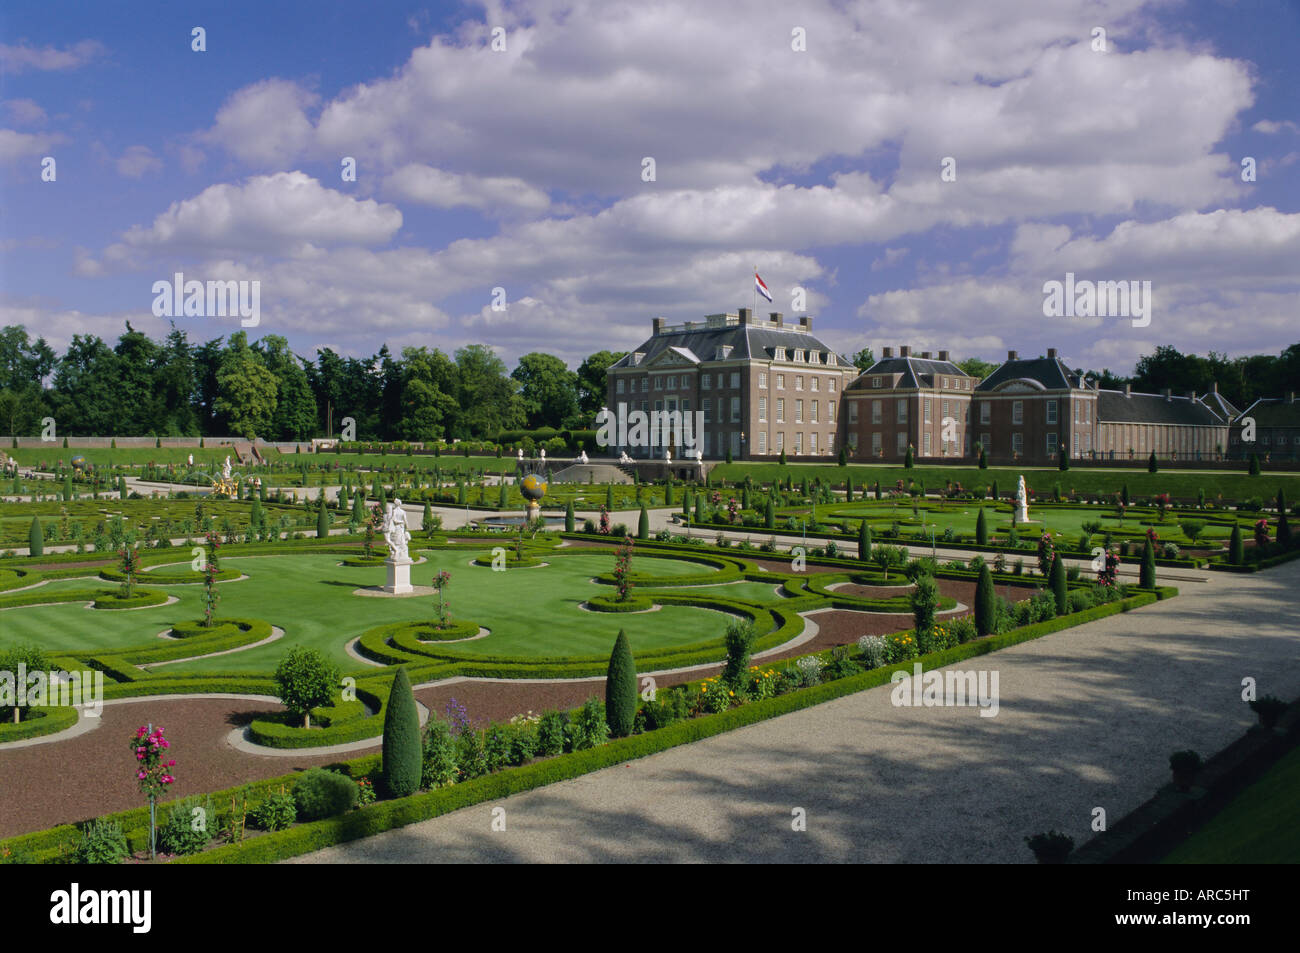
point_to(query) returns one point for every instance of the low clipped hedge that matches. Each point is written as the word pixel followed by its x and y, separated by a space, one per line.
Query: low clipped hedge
pixel 107 599
pixel 339 724
pixel 37 722
pixel 416 633
pixel 193 639
pixel 17 578
pixel 186 578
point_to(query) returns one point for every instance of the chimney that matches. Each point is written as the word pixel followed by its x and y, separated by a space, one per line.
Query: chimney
pixel 746 316
pixel 1012 356
pixel 1051 353
pixel 805 322
pixel 658 325
pixel 1168 393
pixel 886 353
pixel 905 350
pixel 775 317
pixel 1128 390
pixel 943 355
pixel 925 355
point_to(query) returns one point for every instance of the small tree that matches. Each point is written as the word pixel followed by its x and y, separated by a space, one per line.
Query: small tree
pixel 1147 573
pixel 322 517
pixel 129 563
pixel 1152 467
pixel 426 519
pixel 925 601
pixel 864 541
pixel 1059 589
pixel 1192 529
pixel 441 580
pixel 620 688
pixel 1062 459
pixel 643 524
pixel 152 772
pixel 17 662
pixel 568 516
pixel 910 459
pixel 623 569
pixel 36 538
pixel 984 460
pixel 985 603
pixel 305 679
pixel 1254 464
pixel 982 528
pixel 403 757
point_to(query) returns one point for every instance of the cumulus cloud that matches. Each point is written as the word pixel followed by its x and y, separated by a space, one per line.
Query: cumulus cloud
pixel 25 145
pixel 286 213
pixel 25 112
pixel 137 162
pixel 429 186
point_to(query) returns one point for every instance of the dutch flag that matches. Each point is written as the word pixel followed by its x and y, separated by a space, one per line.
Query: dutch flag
pixel 760 287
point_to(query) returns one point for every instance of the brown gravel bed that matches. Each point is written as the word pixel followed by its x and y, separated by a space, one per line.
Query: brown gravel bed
pixel 92 774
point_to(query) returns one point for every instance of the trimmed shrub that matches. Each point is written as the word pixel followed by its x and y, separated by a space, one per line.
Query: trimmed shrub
pixel 643 524
pixel 982 529
pixel 620 688
pixel 924 600
pixel 36 538
pixel 402 754
pixel 320 793
pixel 1236 547
pixel 985 603
pixel 1057 578
pixel 568 517
pixel 1147 574
pixel 864 542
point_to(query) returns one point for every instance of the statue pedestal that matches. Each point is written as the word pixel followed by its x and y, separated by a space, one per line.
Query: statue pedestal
pixel 533 511
pixel 399 576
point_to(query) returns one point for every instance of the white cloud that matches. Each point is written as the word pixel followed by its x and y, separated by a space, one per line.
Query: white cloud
pixel 25 112
pixel 22 56
pixel 265 123
pixel 137 162
pixel 286 213
pixel 24 145
pixel 1269 126
pixel 429 186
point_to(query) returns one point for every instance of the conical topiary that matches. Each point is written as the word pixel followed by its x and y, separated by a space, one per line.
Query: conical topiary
pixel 1236 548
pixel 620 688
pixel 36 538
pixel 982 528
pixel 403 759
pixel 1058 585
pixel 1147 574
pixel 568 517
pixel 643 524
pixel 985 604
pixel 864 541
pixel 322 516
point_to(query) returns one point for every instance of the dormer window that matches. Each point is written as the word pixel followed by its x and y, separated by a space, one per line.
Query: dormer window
pixel 779 354
pixel 637 357
pixel 723 351
pixel 832 360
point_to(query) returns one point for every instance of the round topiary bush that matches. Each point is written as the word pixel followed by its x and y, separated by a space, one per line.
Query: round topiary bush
pixel 320 793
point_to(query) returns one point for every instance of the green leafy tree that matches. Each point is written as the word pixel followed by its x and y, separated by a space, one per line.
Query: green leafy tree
pixel 403 755
pixel 305 679
pixel 591 378
pixel 925 602
pixel 13 661
pixel 863 359
pixel 620 688
pixel 548 390
pixel 247 390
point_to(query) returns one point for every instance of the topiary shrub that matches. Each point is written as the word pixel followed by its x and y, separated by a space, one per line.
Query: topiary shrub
pixel 1236 547
pixel 1147 573
pixel 620 688
pixel 36 538
pixel 985 603
pixel 320 793
pixel 403 757
pixel 1057 579
pixel 982 528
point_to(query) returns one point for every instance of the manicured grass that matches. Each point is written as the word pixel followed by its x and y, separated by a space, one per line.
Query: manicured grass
pixel 531 612
pixel 1233 484
pixel 1260 826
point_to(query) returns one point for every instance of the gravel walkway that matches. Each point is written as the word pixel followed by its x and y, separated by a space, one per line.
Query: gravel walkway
pixel 1087 718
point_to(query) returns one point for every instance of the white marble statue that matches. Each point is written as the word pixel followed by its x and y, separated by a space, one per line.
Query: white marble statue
pixel 699 458
pixel 583 458
pixel 668 455
pixel 1022 502
pixel 225 470
pixel 395 530
pixel 542 454
pixel 190 459
pixel 521 454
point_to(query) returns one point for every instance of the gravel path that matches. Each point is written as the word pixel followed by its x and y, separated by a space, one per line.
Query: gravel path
pixel 1087 719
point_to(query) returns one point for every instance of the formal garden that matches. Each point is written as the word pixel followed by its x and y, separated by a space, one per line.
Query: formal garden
pixel 752 599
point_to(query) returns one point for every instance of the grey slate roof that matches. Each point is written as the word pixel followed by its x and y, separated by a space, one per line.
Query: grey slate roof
pixel 746 342
pixel 1048 371
pixel 1274 412
pixel 1114 406
pixel 1220 405
pixel 915 371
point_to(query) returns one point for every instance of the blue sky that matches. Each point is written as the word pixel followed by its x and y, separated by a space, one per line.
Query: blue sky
pixel 521 169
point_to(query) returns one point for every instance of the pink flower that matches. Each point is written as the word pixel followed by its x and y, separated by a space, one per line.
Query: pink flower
pixel 171 764
pixel 141 775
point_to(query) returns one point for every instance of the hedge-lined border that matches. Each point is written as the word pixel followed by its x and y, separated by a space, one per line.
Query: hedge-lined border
pixel 38 722
pixel 387 815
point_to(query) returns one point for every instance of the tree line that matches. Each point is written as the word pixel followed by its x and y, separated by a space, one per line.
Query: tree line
pixel 231 386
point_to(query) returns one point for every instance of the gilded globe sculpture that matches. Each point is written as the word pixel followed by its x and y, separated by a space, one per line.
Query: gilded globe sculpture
pixel 533 488
pixel 79 463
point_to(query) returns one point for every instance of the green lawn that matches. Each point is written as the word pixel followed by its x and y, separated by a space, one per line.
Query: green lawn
pixel 1260 826
pixel 1233 484
pixel 532 612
